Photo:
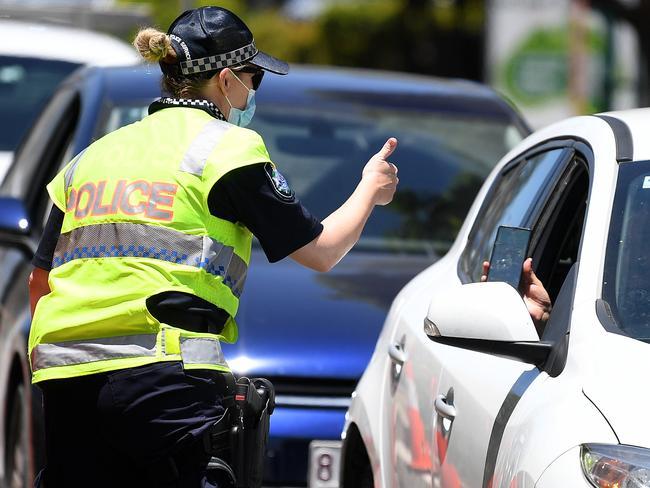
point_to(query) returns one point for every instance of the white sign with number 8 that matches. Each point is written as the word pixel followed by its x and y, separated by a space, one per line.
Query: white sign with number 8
pixel 324 464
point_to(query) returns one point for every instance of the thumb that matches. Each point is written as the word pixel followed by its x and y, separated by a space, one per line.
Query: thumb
pixel 530 276
pixel 388 148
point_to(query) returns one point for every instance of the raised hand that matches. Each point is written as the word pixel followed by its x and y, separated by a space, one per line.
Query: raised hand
pixel 380 175
pixel 535 295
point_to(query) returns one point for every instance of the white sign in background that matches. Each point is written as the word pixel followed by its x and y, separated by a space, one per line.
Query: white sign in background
pixel 510 23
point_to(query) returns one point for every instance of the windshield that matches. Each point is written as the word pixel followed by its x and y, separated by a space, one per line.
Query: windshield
pixel 626 286
pixel 26 84
pixel 443 159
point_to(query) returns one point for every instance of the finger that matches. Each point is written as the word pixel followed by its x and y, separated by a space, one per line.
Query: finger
pixel 529 276
pixel 486 268
pixel 392 185
pixel 388 148
pixel 483 278
pixel 534 280
pixel 393 167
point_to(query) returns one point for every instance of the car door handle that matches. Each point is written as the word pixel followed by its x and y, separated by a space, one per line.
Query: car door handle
pixel 444 409
pixel 397 354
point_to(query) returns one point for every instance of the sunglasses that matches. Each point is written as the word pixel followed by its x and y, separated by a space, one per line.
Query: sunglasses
pixel 257 73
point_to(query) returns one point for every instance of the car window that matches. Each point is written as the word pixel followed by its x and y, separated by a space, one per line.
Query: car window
pixel 122 115
pixel 443 158
pixel 26 84
pixel 514 197
pixel 626 280
pixel 323 151
pixel 39 157
pixel 557 233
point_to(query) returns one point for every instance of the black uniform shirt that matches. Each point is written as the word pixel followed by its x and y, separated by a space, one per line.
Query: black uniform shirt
pixel 250 195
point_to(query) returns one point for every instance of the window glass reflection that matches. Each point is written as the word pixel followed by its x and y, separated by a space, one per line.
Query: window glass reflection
pixel 514 196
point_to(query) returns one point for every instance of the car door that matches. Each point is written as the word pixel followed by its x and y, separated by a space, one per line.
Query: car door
pixel 431 449
pixel 485 388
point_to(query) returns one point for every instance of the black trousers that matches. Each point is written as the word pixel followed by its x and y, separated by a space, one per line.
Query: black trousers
pixel 141 427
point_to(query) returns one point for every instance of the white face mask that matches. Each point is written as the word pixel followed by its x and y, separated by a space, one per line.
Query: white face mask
pixel 240 117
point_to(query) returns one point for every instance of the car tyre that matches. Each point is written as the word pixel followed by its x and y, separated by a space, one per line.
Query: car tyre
pixel 365 478
pixel 357 470
pixel 363 475
pixel 17 445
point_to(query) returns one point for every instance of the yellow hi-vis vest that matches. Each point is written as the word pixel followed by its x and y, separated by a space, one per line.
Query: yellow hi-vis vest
pixel 136 224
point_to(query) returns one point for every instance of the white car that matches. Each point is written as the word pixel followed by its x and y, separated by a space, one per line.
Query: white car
pixel 34 59
pixel 461 391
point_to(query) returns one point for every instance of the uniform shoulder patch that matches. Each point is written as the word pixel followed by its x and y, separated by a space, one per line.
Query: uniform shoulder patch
pixel 279 183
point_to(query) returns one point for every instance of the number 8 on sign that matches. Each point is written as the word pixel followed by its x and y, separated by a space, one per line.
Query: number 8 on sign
pixel 324 464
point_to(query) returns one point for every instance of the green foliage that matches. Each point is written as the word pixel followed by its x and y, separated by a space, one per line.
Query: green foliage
pixel 346 33
pixel 239 7
pixel 291 40
pixel 163 11
pixel 388 34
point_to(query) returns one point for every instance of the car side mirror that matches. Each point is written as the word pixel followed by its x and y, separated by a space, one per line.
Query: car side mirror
pixel 15 226
pixel 485 317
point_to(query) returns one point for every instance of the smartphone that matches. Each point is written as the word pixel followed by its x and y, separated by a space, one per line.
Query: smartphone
pixel 509 252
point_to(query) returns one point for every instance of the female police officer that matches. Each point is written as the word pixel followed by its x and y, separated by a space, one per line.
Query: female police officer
pixel 139 273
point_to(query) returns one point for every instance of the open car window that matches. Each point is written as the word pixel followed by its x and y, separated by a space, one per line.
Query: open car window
pixel 515 195
pixel 557 233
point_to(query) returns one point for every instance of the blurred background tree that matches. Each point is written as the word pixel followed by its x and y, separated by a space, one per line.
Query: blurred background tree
pixel 443 37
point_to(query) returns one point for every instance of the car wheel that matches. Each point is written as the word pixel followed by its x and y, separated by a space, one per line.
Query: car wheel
pixel 17 448
pixel 357 470
pixel 365 478
pixel 362 477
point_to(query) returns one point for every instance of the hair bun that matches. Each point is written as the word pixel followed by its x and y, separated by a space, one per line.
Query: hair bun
pixel 153 45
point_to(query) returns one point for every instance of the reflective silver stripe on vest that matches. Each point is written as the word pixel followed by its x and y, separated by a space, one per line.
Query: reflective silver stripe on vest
pixel 91 350
pixel 202 146
pixel 194 350
pixel 151 241
pixel 69 173
pixel 202 350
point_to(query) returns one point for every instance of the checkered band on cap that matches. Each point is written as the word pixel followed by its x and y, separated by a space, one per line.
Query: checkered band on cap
pixel 218 61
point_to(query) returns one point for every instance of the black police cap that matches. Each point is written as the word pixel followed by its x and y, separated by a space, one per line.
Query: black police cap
pixel 211 38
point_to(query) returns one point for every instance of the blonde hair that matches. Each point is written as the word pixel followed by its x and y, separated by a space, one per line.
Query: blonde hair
pixel 156 47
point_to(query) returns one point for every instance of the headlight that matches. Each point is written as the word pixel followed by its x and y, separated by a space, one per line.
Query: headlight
pixel 616 466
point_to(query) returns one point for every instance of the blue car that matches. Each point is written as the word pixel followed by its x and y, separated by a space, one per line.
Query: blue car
pixel 312 334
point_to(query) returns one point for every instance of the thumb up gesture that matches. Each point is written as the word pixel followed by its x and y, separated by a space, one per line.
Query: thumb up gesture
pixel 380 175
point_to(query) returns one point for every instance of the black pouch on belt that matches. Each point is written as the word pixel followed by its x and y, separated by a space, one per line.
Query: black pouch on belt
pixel 238 441
pixel 255 399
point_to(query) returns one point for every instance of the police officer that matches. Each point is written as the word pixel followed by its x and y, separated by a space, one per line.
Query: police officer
pixel 138 275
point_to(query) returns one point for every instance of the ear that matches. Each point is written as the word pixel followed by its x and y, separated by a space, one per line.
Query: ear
pixel 224 81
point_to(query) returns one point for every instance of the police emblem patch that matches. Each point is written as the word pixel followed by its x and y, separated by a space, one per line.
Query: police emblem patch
pixel 279 183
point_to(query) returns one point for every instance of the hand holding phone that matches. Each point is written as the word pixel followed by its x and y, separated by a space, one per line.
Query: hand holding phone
pixel 509 252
